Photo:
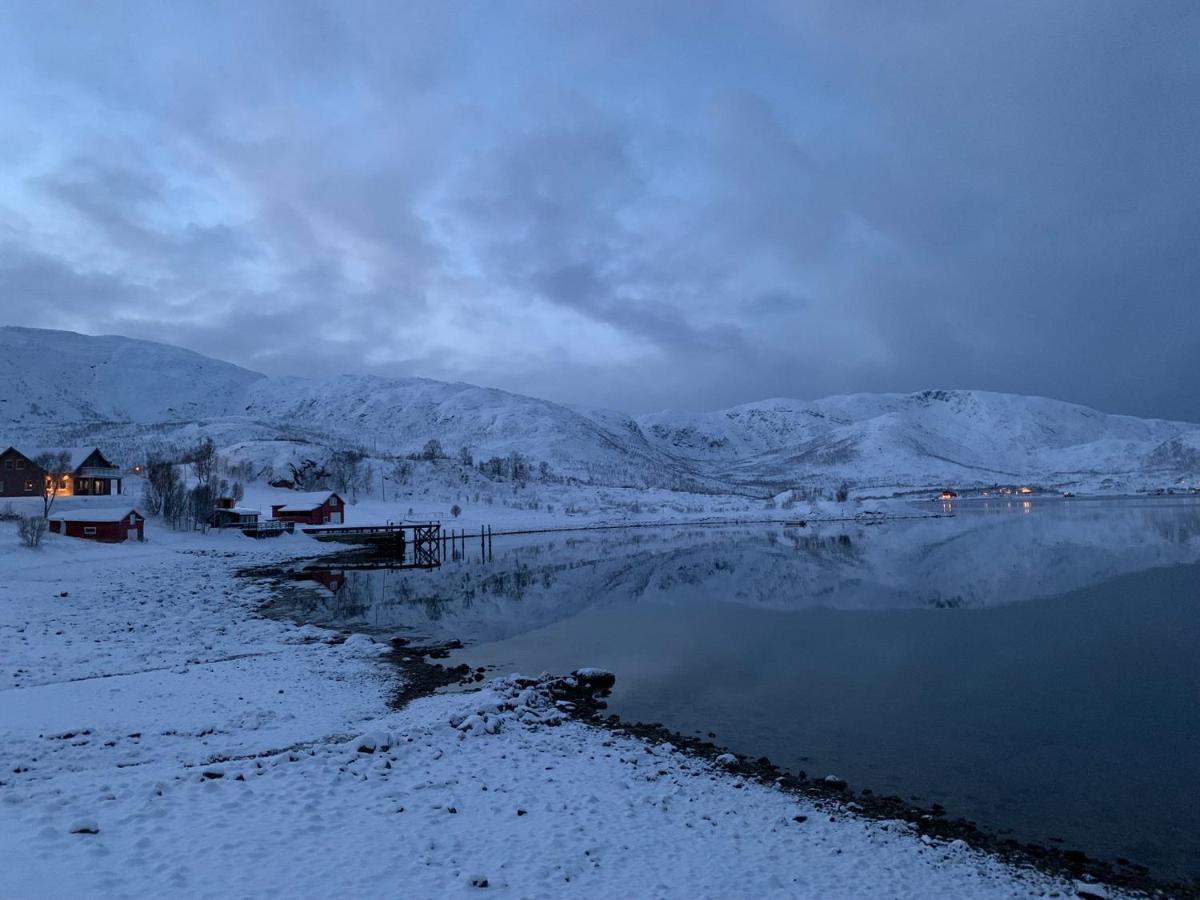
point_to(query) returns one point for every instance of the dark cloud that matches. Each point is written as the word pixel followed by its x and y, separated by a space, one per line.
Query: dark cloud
pixel 630 205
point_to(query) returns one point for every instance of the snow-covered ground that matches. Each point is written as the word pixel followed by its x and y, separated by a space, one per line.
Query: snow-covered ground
pixel 216 753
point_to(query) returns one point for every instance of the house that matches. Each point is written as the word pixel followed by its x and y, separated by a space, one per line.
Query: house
pixel 949 494
pixel 317 508
pixel 112 525
pixel 20 476
pixel 227 514
pixel 88 473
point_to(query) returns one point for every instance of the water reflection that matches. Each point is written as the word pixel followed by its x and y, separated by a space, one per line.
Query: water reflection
pixel 990 554
pixel 1030 667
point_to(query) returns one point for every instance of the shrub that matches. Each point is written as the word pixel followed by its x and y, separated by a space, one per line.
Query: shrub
pixel 31 530
pixel 456 510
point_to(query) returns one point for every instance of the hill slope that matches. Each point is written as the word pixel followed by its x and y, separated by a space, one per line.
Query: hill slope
pixel 66 387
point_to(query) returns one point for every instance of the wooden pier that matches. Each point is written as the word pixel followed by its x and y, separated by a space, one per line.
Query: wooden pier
pixel 418 544
pixel 269 528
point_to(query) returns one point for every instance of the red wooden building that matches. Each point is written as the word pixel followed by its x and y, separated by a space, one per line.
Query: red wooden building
pixel 318 508
pixel 112 525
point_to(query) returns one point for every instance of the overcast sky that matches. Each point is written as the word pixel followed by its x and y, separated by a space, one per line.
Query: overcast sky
pixel 635 205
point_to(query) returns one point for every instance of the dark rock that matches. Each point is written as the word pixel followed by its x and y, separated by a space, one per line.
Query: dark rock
pixel 595 679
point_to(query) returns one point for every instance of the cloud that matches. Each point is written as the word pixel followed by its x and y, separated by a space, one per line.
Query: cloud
pixel 631 206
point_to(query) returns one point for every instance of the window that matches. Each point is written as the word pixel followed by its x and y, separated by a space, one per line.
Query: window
pixel 83 484
pixel 89 529
pixel 29 486
pixel 8 464
pixel 20 463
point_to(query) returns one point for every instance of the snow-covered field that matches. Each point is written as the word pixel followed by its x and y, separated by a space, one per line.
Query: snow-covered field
pixel 215 753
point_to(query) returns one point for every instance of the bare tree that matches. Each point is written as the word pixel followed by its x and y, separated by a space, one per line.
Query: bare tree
pixel 55 467
pixel 433 450
pixel 345 471
pixel 164 494
pixel 204 461
pixel 200 505
pixel 465 457
pixel 31 530
pixel 242 471
pixel 843 493
pixel 402 471
pixel 456 510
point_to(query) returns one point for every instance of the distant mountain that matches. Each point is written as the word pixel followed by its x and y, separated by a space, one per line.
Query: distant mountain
pixel 135 394
pixel 931 437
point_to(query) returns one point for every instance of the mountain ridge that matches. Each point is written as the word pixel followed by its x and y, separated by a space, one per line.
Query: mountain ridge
pixel 65 382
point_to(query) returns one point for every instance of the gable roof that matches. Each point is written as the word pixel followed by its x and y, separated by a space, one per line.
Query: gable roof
pixel 305 502
pixel 77 456
pixel 8 450
pixel 103 514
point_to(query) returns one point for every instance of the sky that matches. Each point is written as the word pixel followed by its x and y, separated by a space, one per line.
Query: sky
pixel 635 205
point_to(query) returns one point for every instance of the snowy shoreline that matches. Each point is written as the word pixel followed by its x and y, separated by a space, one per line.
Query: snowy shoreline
pixel 214 751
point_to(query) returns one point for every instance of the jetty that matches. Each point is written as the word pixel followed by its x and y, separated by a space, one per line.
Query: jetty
pixel 416 544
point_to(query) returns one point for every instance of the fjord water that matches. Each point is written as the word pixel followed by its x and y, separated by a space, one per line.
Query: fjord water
pixel 1034 667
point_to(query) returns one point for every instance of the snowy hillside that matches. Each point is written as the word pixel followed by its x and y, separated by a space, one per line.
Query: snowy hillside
pixel 56 377
pixel 133 395
pixel 932 437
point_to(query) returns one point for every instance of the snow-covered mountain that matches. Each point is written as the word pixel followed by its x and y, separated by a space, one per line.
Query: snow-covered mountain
pixel 931 437
pixel 57 377
pixel 68 387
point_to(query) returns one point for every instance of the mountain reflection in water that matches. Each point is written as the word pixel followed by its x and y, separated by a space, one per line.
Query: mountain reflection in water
pixel 1034 671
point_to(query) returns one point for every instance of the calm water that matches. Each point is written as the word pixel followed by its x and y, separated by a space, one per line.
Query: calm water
pixel 1033 667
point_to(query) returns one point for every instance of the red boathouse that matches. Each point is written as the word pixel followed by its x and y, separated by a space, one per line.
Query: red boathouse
pixel 319 508
pixel 109 525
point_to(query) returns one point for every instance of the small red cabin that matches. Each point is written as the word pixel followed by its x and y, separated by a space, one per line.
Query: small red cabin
pixel 110 525
pixel 319 508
